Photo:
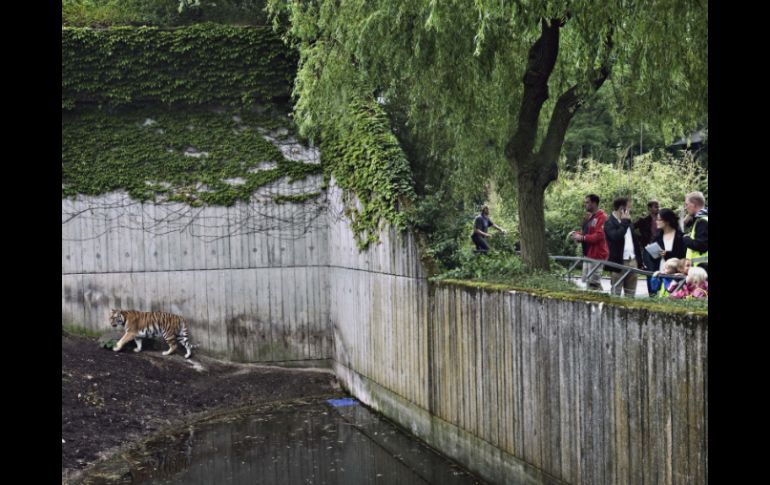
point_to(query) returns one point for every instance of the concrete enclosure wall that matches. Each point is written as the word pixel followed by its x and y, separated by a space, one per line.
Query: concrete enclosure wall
pixel 252 279
pixel 517 387
pixel 523 389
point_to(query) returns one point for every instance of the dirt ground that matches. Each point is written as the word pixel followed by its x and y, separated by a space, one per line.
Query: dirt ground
pixel 113 399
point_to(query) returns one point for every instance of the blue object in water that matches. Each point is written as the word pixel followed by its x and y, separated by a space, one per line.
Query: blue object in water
pixel 345 401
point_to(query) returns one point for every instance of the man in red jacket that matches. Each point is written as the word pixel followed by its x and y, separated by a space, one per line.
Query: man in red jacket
pixel 594 243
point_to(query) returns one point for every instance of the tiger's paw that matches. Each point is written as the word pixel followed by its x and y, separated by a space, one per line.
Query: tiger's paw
pixel 115 349
pixel 137 349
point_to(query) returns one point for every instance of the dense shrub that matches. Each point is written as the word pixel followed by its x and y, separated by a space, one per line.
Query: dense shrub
pixel 196 65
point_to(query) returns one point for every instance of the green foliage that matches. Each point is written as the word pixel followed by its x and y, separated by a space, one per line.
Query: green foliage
pixel 95 13
pixel 493 266
pixel 451 71
pixel 101 13
pixel 223 11
pixel 365 159
pixel 652 176
pixel 503 267
pixel 295 199
pixel 109 344
pixel 450 75
pixel 444 223
pixel 655 175
pixel 595 133
pixel 194 156
pixel 196 65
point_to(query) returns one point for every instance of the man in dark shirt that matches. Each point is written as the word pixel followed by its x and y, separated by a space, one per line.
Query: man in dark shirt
pixel 480 227
pixel 646 227
pixel 647 230
pixel 623 245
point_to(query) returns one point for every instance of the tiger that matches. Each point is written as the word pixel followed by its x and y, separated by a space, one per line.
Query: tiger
pixel 140 325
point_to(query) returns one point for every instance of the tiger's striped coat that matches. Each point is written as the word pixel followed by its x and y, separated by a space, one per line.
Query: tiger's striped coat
pixel 140 325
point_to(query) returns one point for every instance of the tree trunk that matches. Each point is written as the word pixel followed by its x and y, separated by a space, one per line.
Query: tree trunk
pixel 530 196
pixel 536 169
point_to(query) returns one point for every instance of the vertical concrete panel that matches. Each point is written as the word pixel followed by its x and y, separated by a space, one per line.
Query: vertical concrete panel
pixel 622 376
pixel 173 246
pixel 137 224
pixel 150 241
pixel 261 309
pixel 215 288
pixel 112 256
pixel 152 292
pixel 73 310
pixel 223 238
pixel 679 404
pixel 636 397
pixel 608 383
pixel 86 241
pixel 70 233
pixel 162 230
pixel 235 238
pixel 99 234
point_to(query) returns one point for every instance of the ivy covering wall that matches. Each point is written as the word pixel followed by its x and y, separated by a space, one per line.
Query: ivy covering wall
pixel 192 155
pixel 118 133
pixel 199 64
pixel 366 159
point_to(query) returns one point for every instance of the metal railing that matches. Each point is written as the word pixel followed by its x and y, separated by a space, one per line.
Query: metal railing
pixel 598 263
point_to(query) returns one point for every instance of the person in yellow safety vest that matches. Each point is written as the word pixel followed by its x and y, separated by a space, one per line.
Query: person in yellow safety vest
pixel 696 232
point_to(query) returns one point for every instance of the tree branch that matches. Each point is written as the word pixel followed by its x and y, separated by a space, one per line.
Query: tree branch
pixel 540 64
pixel 563 112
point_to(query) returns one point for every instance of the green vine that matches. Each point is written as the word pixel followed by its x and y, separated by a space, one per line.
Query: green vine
pixel 195 65
pixel 295 199
pixel 366 160
pixel 200 157
pixel 194 155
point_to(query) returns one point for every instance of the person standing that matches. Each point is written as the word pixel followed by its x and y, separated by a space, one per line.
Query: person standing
pixel 647 229
pixel 481 225
pixel 646 226
pixel 623 246
pixel 594 244
pixel 696 231
pixel 669 238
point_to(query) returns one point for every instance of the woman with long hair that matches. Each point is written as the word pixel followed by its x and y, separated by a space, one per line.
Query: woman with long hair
pixel 669 236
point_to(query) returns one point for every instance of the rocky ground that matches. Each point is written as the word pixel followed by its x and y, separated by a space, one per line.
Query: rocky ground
pixel 112 399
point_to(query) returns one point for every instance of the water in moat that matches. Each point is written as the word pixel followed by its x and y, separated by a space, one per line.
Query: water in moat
pixel 316 441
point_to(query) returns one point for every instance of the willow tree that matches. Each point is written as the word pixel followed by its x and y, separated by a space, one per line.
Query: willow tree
pixel 500 79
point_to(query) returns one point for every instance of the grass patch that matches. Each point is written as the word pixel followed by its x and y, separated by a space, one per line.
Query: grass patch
pixel 80 13
pixel 697 307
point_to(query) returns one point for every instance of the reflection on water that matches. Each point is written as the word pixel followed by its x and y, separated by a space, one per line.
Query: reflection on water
pixel 305 442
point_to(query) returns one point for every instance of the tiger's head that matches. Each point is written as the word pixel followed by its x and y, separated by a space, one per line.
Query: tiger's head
pixel 116 317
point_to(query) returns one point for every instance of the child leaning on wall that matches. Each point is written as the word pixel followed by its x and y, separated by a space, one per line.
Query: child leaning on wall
pixel 659 283
pixel 697 285
pixel 684 266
